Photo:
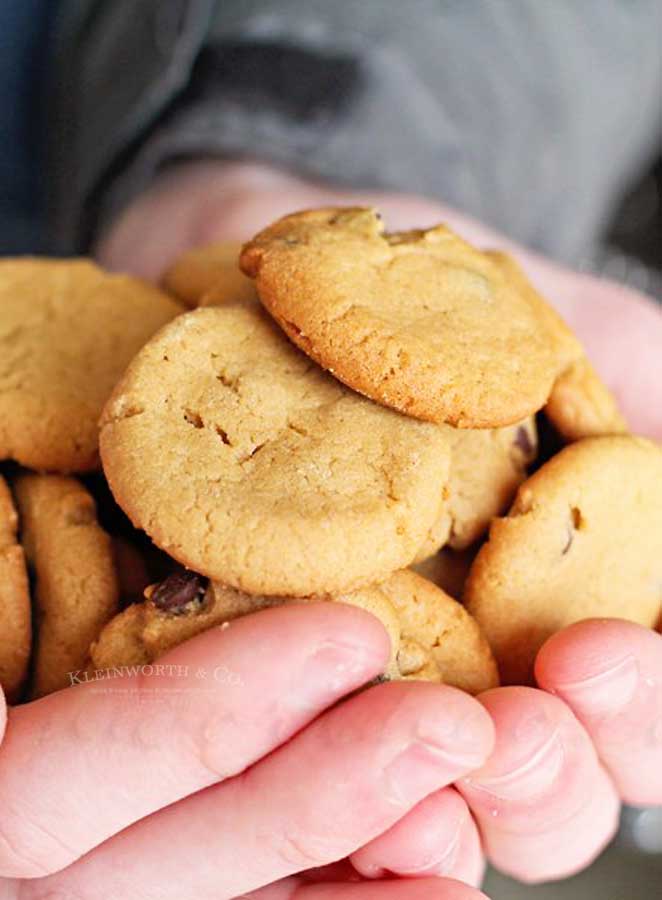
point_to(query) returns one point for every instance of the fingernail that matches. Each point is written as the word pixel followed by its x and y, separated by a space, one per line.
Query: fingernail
pixel 605 692
pixel 333 669
pixel 532 778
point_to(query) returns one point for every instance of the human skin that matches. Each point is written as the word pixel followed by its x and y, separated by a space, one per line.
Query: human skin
pixel 145 798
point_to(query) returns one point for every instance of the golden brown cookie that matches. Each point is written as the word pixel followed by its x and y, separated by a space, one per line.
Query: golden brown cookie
pixel 185 605
pixel 581 405
pixel 15 617
pixel 209 276
pixel 67 331
pixel 420 321
pixel 75 588
pixel 247 463
pixel 566 346
pixel 443 627
pixel 583 539
pixel 487 467
pixel 432 637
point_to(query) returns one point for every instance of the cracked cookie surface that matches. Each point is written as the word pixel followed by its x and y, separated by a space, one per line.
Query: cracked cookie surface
pixel 246 462
pixel 67 331
pixel 583 539
pixel 15 615
pixel 419 321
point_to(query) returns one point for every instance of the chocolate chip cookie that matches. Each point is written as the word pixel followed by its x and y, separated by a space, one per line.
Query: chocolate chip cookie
pixel 419 321
pixel 432 637
pixel 583 539
pixel 487 467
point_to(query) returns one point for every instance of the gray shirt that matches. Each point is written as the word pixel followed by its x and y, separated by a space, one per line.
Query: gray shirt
pixel 531 115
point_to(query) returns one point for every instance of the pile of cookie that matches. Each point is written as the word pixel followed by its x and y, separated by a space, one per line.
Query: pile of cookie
pixel 395 421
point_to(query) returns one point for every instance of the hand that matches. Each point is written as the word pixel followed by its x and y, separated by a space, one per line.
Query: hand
pixel 547 801
pixel 194 203
pixel 229 770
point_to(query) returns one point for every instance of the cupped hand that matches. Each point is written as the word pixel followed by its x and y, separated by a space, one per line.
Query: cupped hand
pixel 230 767
pixel 547 801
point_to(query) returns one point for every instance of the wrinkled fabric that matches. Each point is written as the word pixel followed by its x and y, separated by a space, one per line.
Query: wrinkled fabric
pixel 528 115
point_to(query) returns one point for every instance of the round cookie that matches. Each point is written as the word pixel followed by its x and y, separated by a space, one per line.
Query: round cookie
pixel 432 637
pixel 419 321
pixel 583 539
pixel 184 605
pixel 580 405
pixel 212 268
pixel 444 628
pixel 487 467
pixel 75 587
pixel 247 463
pixel 67 332
pixel 15 616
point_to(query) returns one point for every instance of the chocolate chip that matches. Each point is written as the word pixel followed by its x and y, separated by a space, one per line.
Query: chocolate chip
pixel 177 591
pixel 524 443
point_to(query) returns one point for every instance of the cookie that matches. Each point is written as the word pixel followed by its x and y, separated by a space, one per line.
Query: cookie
pixel 184 605
pixel 15 616
pixel 67 331
pixel 247 463
pixel 564 343
pixel 419 321
pixel 209 276
pixel 580 404
pixel 431 635
pixel 487 467
pixel 583 539
pixel 443 627
pixel 75 584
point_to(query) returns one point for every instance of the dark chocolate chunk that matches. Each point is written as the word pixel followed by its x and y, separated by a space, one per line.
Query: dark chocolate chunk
pixel 177 591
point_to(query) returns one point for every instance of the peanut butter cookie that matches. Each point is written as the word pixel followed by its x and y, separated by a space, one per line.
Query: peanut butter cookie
pixel 246 462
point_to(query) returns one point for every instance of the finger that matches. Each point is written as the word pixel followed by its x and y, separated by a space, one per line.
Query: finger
pixel 80 765
pixel 3 714
pixel 420 889
pixel 544 805
pixel 345 779
pixel 610 674
pixel 438 837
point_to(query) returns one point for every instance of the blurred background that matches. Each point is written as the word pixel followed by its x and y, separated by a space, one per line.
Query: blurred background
pixel 628 248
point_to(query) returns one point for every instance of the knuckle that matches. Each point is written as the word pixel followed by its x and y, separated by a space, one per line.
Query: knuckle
pixel 301 849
